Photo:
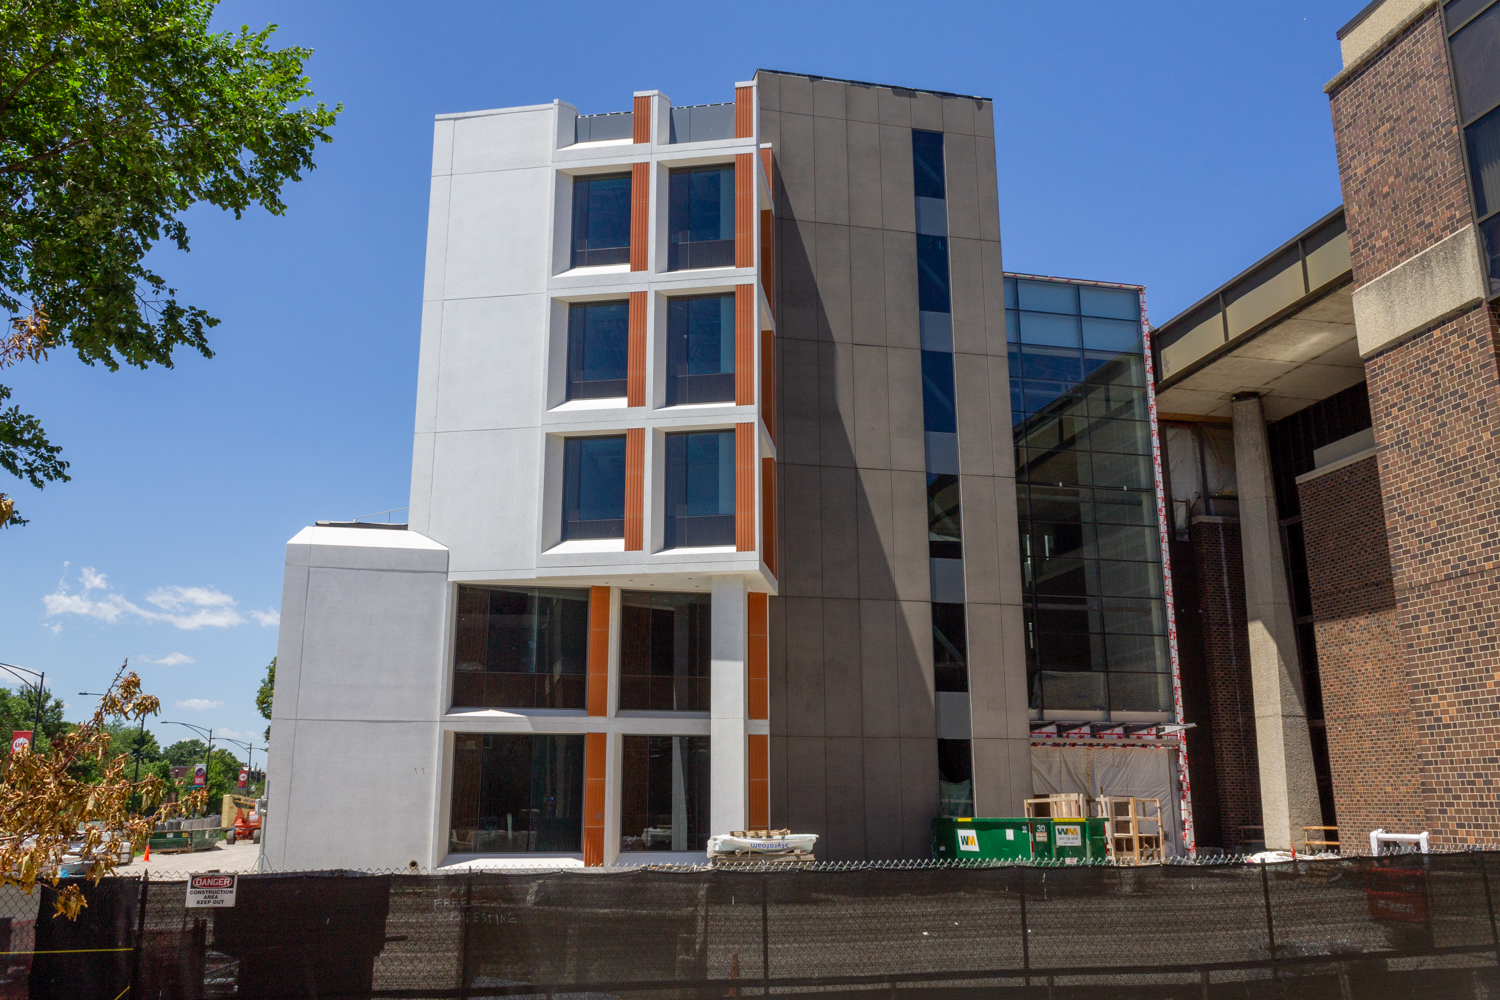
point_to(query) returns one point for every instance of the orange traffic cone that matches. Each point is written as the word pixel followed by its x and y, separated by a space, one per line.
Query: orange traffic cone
pixel 148 852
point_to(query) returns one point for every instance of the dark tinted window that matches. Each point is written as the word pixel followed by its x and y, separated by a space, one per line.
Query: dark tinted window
pixel 700 218
pixel 950 655
pixel 1483 138
pixel 699 502
pixel 955 778
pixel 927 164
pixel 601 220
pixel 944 534
pixel 594 488
pixel 598 339
pixel 938 411
pixel 664 651
pixel 1476 64
pixel 520 647
pixel 932 274
pixel 700 350
pixel 516 794
pixel 664 794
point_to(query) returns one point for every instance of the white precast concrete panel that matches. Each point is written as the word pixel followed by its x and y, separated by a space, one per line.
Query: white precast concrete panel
pixel 491 363
pixel 504 140
pixel 437 237
pixel 498 233
pixel 728 746
pixel 484 496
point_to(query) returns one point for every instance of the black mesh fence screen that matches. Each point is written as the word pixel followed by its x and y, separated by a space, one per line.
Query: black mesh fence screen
pixel 1404 926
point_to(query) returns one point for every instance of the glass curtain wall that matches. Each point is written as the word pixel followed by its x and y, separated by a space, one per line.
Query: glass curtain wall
pixel 700 217
pixel 601 220
pixel 1474 42
pixel 664 651
pixel 699 501
pixel 518 647
pixel 516 794
pixel 594 487
pixel 664 793
pixel 598 339
pixel 700 350
pixel 1096 621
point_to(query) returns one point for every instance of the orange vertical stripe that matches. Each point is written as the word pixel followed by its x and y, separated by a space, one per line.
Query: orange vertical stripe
pixel 635 357
pixel 768 257
pixel 744 487
pixel 640 120
pixel 635 488
pixel 768 162
pixel 598 655
pixel 768 381
pixel 640 213
pixel 768 513
pixel 760 782
pixel 744 345
pixel 758 668
pixel 744 112
pixel 744 210
pixel 594 755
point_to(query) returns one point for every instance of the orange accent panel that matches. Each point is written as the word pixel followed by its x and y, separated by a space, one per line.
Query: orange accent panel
pixel 594 754
pixel 635 357
pixel 744 345
pixel 768 256
pixel 768 513
pixel 635 488
pixel 744 112
pixel 640 213
pixel 760 782
pixel 768 162
pixel 598 656
pixel 640 120
pixel 758 669
pixel 744 210
pixel 744 487
pixel 768 381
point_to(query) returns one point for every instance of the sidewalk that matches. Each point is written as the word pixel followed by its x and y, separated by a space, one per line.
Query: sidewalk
pixel 239 858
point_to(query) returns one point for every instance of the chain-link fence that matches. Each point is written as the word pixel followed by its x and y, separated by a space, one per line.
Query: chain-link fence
pixel 1404 926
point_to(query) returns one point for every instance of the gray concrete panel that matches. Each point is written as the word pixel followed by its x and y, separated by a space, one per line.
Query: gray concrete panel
pixel 804 666
pixel 879 703
pixel 908 446
pixel 836 404
pixel 994 299
pixel 865 192
pixel 914 668
pixel 872 408
pixel 842 692
pixel 989 698
pixel 984 120
pixel 831 181
pixel 1007 540
pixel 919 796
pixel 796 95
pixel 927 111
pixel 1013 653
pixel 828 101
pixel 895 108
pixel 802 530
pixel 776 667
pixel 909 531
pixel 963 187
pixel 981 565
pixel 795 162
pixel 844 777
pixel 901 329
pixel 989 191
pixel 768 91
pixel 1002 430
pixel 797 435
pixel 998 789
pixel 966 278
pixel 840 534
pixel 797 256
pixel 867 284
pixel 862 103
pixel 971 380
pixel 835 317
pixel 1021 779
pixel 807 802
pixel 779 781
pixel 883 812
pixel 876 539
pixel 958 114
pixel 899 199
pixel 770 131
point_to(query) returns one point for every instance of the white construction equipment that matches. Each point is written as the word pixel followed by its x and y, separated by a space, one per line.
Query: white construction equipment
pixel 1379 838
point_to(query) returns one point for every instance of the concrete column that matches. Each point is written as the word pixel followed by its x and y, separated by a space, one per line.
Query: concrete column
pixel 1288 786
pixel 729 726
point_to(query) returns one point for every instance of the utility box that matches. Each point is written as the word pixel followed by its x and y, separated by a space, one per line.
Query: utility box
pixel 1078 840
pixel 958 838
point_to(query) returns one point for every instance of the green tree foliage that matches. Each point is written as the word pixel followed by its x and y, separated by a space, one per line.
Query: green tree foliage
pixel 263 696
pixel 185 753
pixel 115 117
pixel 223 769
pixel 18 711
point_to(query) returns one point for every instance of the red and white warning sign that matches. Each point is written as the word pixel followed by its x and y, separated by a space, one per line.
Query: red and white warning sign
pixel 213 889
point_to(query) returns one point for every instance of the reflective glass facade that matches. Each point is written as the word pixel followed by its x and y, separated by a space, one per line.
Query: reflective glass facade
pixel 664 793
pixel 664 651
pixel 700 218
pixel 699 503
pixel 1096 618
pixel 700 350
pixel 601 220
pixel 598 347
pixel 521 647
pixel 516 794
pixel 1474 41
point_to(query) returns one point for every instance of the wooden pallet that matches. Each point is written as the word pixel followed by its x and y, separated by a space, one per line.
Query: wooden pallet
pixel 1308 843
pixel 1072 805
pixel 1133 829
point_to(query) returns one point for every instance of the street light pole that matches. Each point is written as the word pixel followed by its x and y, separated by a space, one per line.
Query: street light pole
pixel 249 751
pixel 207 763
pixel 39 685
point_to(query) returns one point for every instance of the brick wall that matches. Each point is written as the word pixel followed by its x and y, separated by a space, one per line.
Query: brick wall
pixel 1220 575
pixel 1372 741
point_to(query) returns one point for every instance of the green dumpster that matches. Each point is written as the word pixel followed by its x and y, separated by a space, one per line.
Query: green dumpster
pixel 983 839
pixel 1043 845
pixel 1078 840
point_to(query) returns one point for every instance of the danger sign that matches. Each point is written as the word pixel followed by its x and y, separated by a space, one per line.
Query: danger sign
pixel 214 889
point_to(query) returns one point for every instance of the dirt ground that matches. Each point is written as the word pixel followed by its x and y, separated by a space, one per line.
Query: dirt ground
pixel 239 858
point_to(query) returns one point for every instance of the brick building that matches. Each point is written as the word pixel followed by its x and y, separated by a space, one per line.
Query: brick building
pixel 1328 416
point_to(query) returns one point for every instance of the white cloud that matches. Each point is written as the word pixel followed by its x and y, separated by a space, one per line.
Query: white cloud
pixel 170 660
pixel 187 608
pixel 199 704
pixel 270 617
pixel 235 734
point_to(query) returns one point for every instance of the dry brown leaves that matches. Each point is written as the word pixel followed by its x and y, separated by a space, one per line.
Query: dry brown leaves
pixel 45 806
pixel 30 337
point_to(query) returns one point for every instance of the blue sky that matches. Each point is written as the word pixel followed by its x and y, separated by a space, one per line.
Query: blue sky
pixel 1168 144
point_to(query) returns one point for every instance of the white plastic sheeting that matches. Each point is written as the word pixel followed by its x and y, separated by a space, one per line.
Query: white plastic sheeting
pixel 1142 772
